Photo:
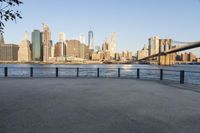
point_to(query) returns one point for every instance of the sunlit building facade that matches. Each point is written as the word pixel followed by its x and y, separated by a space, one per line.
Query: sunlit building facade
pixel 24 53
pixel 46 42
pixel 90 39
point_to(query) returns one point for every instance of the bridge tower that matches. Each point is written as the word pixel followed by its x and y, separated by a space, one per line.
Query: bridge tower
pixel 164 45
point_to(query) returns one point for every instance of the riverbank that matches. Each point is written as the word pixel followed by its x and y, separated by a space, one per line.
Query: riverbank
pixel 66 63
pixel 97 105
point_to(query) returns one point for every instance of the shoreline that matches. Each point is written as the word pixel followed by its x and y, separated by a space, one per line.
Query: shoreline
pixel 68 63
pixel 65 63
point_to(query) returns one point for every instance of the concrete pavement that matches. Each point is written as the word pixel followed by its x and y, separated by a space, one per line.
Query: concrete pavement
pixel 96 106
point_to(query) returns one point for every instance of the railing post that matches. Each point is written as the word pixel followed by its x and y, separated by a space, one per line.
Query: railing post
pixel 138 73
pixel 119 74
pixel 31 72
pixel 161 74
pixel 182 77
pixel 97 72
pixel 56 72
pixel 6 71
pixel 77 72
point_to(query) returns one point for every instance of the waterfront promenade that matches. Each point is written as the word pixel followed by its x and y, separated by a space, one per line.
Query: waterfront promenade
pixel 66 105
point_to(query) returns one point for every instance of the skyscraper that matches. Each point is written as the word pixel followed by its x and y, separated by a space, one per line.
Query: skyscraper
pixel 90 39
pixel 61 36
pixel 46 42
pixel 153 45
pixel 61 45
pixel 113 45
pixel 75 49
pixel 9 52
pixel 24 53
pixel 82 39
pixel 36 45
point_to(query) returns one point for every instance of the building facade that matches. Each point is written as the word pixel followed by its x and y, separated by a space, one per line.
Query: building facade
pixel 90 39
pixel 153 45
pixel 143 53
pixel 9 52
pixel 24 53
pixel 36 46
pixel 46 42
pixel 113 48
pixel 75 49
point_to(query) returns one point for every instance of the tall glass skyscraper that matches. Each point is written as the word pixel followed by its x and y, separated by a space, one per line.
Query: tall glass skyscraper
pixel 90 39
pixel 36 45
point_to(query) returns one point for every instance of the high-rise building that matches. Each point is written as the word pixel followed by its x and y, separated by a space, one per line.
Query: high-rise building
pixel 87 52
pixel 113 45
pixel 143 53
pixel 82 38
pixel 106 45
pixel 24 53
pixel 9 52
pixel 96 56
pixel 75 49
pixel 107 56
pixel 90 39
pixel 62 37
pixel 110 45
pixel 46 42
pixel 188 57
pixel 36 45
pixel 153 45
pixel 53 51
pixel 60 48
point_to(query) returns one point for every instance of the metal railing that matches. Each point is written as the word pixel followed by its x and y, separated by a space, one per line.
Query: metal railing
pixel 132 73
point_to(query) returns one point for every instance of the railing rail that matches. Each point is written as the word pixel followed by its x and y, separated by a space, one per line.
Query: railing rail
pixel 138 73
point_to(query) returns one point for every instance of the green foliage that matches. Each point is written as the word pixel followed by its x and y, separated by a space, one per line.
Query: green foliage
pixel 7 13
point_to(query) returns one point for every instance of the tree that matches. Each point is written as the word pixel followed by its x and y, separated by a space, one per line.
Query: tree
pixel 7 13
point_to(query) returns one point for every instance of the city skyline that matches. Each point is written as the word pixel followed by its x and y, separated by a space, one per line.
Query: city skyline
pixel 134 21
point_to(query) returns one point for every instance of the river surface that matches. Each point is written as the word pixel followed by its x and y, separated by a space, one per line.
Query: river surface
pixel 192 72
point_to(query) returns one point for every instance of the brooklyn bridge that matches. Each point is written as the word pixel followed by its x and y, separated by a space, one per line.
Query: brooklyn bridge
pixel 167 51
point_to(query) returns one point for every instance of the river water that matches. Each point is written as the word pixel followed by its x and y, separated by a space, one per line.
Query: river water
pixel 192 72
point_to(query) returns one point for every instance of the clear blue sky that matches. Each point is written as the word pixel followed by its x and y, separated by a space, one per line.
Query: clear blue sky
pixel 133 20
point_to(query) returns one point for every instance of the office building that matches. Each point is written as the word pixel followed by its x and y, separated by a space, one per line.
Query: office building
pixel 46 42
pixel 96 56
pixel 90 39
pixel 191 57
pixel 9 52
pixel 87 52
pixel 113 45
pixel 82 39
pixel 188 57
pixel 60 49
pixel 143 53
pixel 61 37
pixel 153 45
pixel 107 56
pixel 24 53
pixel 75 49
pixel 36 46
